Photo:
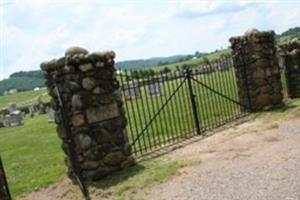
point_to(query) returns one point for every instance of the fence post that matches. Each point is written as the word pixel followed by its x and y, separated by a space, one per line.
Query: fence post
pixel 193 101
pixel 4 190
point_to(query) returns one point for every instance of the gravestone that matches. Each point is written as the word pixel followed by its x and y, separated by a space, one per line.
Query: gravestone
pixel 154 89
pixel 12 107
pixel 132 91
pixel 13 119
pixel 51 116
pixel 1 121
pixel 31 111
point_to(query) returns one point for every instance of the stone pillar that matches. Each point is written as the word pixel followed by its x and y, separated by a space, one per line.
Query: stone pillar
pixel 90 92
pixel 290 54
pixel 257 69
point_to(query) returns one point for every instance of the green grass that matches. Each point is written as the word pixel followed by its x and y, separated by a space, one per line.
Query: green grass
pixel 24 98
pixel 31 154
pixel 123 184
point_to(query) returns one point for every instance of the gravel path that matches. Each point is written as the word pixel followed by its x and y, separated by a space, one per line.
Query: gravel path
pixel 256 160
pixel 245 164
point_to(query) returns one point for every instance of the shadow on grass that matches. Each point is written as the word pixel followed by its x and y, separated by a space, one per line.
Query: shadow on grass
pixel 118 177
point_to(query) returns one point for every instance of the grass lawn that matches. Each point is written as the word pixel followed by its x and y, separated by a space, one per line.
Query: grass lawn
pixel 24 98
pixel 31 154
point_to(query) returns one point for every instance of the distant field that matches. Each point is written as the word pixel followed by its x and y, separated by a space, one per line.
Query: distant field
pixel 24 98
pixel 195 62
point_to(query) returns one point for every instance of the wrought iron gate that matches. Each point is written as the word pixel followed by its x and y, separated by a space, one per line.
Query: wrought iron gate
pixel 186 103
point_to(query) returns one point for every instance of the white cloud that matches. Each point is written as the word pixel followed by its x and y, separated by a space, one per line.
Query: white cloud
pixel 35 32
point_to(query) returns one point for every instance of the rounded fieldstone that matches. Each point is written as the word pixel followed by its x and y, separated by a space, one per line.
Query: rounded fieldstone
pixel 75 50
pixel 127 149
pixel 84 141
pixel 89 165
pixel 98 90
pixel 73 86
pixel 114 158
pixel 86 67
pixel 263 100
pixel 45 66
pixel 89 83
pixel 76 101
pixel 100 64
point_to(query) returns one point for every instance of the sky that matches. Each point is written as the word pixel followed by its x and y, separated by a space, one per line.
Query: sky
pixel 33 31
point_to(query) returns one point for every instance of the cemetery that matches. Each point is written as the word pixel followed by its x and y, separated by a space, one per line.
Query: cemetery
pixel 143 100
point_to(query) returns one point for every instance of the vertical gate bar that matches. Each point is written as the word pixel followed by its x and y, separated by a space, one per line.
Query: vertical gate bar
pixel 5 180
pixel 163 132
pixel 193 101
pixel 219 87
pixel 166 81
pixel 126 106
pixel 187 102
pixel 136 83
pixel 155 133
pixel 228 87
pixel 176 101
pixel 143 109
pixel 202 102
pixel 214 107
pixel 209 107
pixel 175 124
pixel 133 113
pixel 225 81
pixel 182 104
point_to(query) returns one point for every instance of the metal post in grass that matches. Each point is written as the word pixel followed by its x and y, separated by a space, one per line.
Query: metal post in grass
pixel 4 190
pixel 193 100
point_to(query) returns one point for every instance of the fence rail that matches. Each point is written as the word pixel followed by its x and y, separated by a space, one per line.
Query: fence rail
pixel 164 108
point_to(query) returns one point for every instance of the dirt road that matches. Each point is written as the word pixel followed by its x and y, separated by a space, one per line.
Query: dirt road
pixel 255 160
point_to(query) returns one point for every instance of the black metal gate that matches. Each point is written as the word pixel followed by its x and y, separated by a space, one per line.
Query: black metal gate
pixel 4 190
pixel 163 108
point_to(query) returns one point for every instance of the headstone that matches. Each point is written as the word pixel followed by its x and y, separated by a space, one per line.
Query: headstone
pixel 31 111
pixel 1 121
pixel 13 119
pixel 51 116
pixel 154 89
pixel 12 107
pixel 132 91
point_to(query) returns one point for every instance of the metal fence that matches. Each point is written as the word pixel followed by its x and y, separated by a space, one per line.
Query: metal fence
pixel 163 108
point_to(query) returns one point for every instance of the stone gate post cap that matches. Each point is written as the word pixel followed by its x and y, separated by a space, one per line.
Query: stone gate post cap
pixel 75 50
pixel 251 32
pixel 48 65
